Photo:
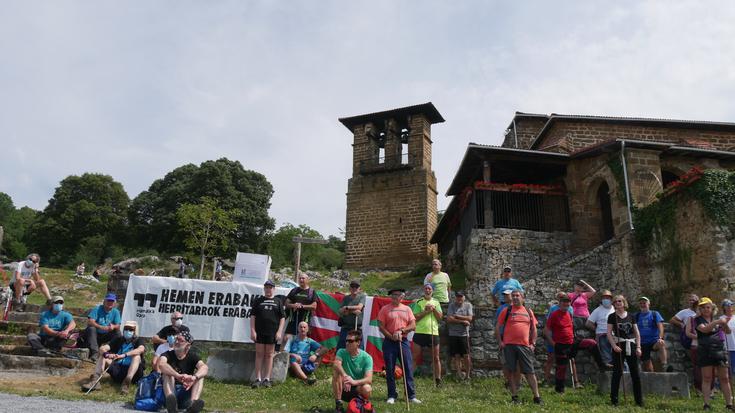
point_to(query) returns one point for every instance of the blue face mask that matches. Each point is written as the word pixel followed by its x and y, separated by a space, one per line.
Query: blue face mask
pixel 58 307
pixel 29 263
pixel 171 340
pixel 606 302
pixel 128 334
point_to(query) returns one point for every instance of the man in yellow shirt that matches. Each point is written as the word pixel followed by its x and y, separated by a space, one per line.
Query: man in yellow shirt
pixel 428 313
pixel 440 281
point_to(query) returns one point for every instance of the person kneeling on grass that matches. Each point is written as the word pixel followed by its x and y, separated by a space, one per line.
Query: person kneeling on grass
pixel 303 354
pixel 353 373
pixel 124 356
pixel 183 375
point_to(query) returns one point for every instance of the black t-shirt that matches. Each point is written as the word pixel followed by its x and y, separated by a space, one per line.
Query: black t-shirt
pixel 268 313
pixel 187 365
pixel 170 330
pixel 622 327
pixel 303 296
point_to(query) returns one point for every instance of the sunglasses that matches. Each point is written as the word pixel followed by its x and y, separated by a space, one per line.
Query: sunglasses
pixel 178 318
pixel 352 341
pixel 58 302
pixel 618 301
pixel 129 329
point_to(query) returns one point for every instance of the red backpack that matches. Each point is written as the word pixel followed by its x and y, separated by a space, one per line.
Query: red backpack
pixel 360 405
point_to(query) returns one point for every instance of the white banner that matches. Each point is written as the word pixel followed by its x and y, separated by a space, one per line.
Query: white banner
pixel 213 310
pixel 253 268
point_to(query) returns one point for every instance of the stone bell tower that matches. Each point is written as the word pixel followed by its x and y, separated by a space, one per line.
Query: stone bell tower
pixel 391 197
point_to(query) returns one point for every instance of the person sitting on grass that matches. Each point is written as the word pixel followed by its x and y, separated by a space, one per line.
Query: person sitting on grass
pixel 303 354
pixel 352 373
pixel 124 356
pixel 56 325
pixel 163 341
pixel 183 376
pixel 103 325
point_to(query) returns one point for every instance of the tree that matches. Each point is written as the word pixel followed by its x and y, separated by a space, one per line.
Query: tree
pixel 208 228
pixel 83 209
pixel 245 194
pixel 281 248
pixel 16 225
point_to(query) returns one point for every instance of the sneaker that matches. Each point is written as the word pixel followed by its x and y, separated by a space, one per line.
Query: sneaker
pixel 310 381
pixel 514 399
pixel 124 388
pixel 256 384
pixel 391 400
pixel 415 401
pixel 196 406
pixel 44 352
pixel 339 407
pixel 438 382
pixel 579 386
pixel 94 357
pixel 171 403
pixel 706 407
pixel 729 407
pixel 267 383
pixel 537 400
pixel 93 383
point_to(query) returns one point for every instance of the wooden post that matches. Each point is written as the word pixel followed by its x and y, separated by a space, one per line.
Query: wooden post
pixel 299 241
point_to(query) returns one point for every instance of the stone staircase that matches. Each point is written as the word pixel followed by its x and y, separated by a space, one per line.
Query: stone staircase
pixel 16 355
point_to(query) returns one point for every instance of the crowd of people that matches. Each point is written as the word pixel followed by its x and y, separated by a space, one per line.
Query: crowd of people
pixel 622 339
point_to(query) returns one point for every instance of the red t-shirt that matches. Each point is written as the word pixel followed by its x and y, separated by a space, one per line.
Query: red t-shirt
pixel 518 329
pixel 395 318
pixel 561 326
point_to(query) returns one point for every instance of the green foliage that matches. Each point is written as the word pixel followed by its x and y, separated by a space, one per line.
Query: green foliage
pixel 616 167
pixel 281 248
pixel 16 225
pixel 82 208
pixel 243 193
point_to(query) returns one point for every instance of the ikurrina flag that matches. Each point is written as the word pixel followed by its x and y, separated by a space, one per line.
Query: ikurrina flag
pixel 371 332
pixel 324 328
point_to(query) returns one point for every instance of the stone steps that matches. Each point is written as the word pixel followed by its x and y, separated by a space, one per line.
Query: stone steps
pixel 18 327
pixel 30 317
pixel 26 350
pixel 77 312
pixel 54 366
pixel 7 339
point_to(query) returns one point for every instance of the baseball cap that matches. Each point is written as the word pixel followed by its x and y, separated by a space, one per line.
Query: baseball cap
pixel 459 293
pixel 392 290
pixel 507 292
pixel 507 268
pixel 110 297
pixel 354 283
pixel 57 298
pixel 644 298
pixel 269 283
pixel 563 297
pixel 727 302
pixel 705 300
pixel 429 285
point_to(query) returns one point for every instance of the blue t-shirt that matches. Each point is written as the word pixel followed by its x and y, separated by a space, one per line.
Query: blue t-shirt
pixel 503 284
pixel 56 322
pixel 648 326
pixel 104 318
pixel 303 348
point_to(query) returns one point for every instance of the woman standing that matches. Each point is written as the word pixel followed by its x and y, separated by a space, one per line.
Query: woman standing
pixel 727 308
pixel 267 319
pixel 711 353
pixel 623 335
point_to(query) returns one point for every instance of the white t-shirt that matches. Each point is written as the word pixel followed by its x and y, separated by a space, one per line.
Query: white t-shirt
pixel 599 317
pixel 25 272
pixel 684 315
pixel 730 338
pixel 162 349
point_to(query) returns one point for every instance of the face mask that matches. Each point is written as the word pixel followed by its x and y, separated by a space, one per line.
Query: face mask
pixel 29 263
pixel 58 307
pixel 178 323
pixel 127 334
pixel 171 340
pixel 606 302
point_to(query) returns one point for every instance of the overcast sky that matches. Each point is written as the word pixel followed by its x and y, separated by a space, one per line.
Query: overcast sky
pixel 136 89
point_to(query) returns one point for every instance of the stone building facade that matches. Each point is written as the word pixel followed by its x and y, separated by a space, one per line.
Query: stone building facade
pixel 391 196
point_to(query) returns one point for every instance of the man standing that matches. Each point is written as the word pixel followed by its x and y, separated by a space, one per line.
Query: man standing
pixel 506 282
pixel 459 318
pixel 183 375
pixel 300 302
pixel 303 352
pixel 56 325
pixel 267 319
pixel 651 327
pixel 428 314
pixel 124 355
pixel 103 324
pixel 352 372
pixel 597 321
pixel 395 321
pixel 688 336
pixel 440 281
pixel 27 279
pixel 163 341
pixel 517 341
pixel 350 312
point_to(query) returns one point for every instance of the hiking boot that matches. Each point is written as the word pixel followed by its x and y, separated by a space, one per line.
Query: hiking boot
pixel 537 400
pixel 125 387
pixel 44 352
pixel 339 407
pixel 514 399
pixel 310 381
pixel 579 386
pixel 93 383
pixel 267 383
pixel 18 306
pixel 94 357
pixel 196 406
pixel 171 403
pixel 438 382
pixel 706 407
pixel 256 384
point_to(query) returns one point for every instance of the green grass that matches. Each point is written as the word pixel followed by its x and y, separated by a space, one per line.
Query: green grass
pixel 85 297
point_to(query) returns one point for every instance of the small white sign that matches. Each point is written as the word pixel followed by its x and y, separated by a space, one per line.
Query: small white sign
pixel 253 268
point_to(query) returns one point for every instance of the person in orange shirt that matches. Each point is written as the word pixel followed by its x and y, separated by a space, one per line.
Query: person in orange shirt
pixel 516 333
pixel 395 321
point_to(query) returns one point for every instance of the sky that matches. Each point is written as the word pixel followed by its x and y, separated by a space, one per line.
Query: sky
pixel 137 89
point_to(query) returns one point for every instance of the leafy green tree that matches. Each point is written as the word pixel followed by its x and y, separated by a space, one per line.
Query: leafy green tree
pixel 82 209
pixel 208 228
pixel 16 225
pixel 243 193
pixel 281 248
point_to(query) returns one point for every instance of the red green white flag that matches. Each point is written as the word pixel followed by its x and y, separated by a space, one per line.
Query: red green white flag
pixel 324 328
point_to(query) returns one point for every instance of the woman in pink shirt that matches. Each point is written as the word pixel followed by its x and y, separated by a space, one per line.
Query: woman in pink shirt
pixel 580 297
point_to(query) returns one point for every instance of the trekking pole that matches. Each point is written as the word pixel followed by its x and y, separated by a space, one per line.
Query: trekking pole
pixel 433 365
pixel 403 366
pixel 571 371
pixel 622 374
pixel 469 354
pixel 100 377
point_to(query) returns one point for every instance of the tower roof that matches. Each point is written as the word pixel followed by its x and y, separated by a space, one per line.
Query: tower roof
pixel 428 109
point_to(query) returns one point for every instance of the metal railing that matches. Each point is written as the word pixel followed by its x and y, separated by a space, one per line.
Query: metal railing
pixel 535 212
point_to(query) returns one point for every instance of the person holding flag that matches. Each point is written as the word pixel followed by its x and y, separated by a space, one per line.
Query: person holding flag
pixel 395 321
pixel 428 313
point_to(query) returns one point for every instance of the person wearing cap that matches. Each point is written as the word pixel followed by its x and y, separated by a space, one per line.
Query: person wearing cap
pixel 651 326
pixel 597 321
pixel 625 340
pixel 712 355
pixel 303 353
pixel 506 282
pixel 559 332
pixel 550 347
pixel 350 312
pixel 183 374
pixel 395 321
pixel 124 356
pixel 440 281
pixel 26 279
pixel 459 319
pixel 56 325
pixel 727 309
pixel 428 313
pixel 688 337
pixel 103 324
pixel 163 341
pixel 267 320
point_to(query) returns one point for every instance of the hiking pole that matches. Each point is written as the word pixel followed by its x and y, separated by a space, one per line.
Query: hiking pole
pixel 403 366
pixel 433 364
pixel 469 354
pixel 100 377
pixel 571 371
pixel 622 374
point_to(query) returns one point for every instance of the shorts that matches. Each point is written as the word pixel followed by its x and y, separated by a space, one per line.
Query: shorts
pixel 424 340
pixel 457 345
pixel 118 372
pixel 349 395
pixel 646 350
pixel 265 338
pixel 517 354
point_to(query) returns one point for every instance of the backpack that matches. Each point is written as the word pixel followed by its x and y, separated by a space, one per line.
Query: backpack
pixel 360 405
pixel 145 396
pixel 686 342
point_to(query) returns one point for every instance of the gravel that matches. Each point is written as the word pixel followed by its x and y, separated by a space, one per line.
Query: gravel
pixel 15 403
